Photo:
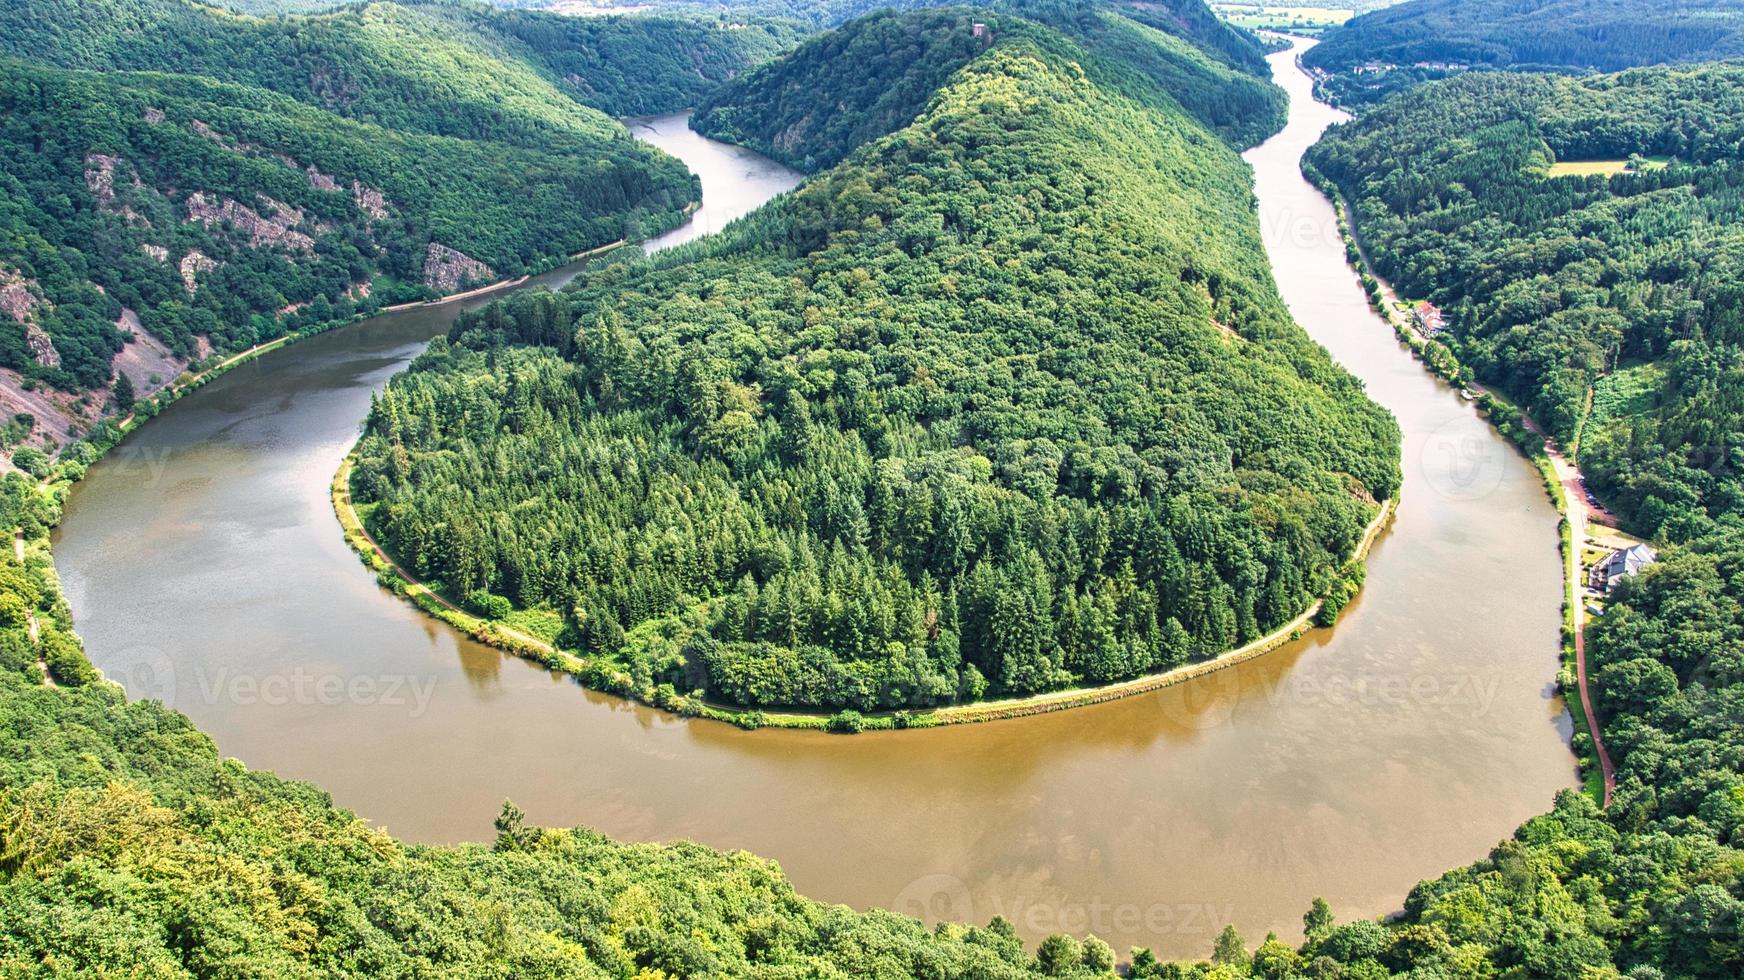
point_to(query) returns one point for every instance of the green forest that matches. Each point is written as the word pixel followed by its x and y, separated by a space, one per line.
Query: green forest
pixel 1002 404
pixel 296 170
pixel 1558 286
pixel 129 847
pixel 230 214
pixel 430 66
pixel 882 71
pixel 1001 400
pixel 1386 50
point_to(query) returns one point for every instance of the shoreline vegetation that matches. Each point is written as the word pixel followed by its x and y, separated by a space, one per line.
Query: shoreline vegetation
pixel 608 678
pixel 1513 422
pixel 110 432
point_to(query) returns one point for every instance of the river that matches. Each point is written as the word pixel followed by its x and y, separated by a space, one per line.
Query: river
pixel 205 567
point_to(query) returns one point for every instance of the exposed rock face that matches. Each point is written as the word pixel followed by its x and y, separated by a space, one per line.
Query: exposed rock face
pixel 193 264
pixel 42 349
pixel 319 180
pixel 790 138
pixel 153 116
pixel 369 200
pixel 447 269
pixel 19 297
pixel 100 171
pixel 157 252
pixel 279 231
pixel 210 133
pixel 144 358
pixel 100 177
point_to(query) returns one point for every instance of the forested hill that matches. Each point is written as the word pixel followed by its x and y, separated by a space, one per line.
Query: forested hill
pixel 1383 50
pixel 1005 402
pixel 1618 290
pixel 1584 235
pixel 875 75
pixel 283 172
pixel 210 210
pixel 435 66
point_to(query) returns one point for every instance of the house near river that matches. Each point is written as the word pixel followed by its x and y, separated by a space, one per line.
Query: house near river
pixel 1428 318
pixel 1619 565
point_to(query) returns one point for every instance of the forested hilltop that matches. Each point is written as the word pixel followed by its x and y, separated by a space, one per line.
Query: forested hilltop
pixel 435 66
pixel 814 108
pixel 1609 304
pixel 1004 403
pixel 345 162
pixel 1380 52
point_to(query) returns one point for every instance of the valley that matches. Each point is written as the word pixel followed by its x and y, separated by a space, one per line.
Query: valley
pixel 1324 725
pixel 1035 364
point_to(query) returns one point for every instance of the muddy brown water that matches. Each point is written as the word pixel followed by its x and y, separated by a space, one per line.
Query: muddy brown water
pixel 206 568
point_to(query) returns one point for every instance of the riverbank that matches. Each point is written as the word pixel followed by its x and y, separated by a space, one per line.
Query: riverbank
pixel 1563 484
pixel 608 677
pixel 504 285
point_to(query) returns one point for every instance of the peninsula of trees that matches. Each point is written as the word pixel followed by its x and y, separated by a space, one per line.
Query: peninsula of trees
pixel 1003 403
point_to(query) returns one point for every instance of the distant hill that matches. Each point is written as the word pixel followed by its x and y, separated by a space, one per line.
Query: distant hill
pixel 437 67
pixel 1379 51
pixel 877 74
pixel 1584 236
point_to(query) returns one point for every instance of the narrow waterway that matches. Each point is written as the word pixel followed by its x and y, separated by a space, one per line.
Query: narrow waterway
pixel 206 568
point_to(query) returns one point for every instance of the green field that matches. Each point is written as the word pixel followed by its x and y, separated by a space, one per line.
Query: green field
pixel 1626 391
pixel 1290 17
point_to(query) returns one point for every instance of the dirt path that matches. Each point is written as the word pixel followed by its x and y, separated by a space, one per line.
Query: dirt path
pixel 30 623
